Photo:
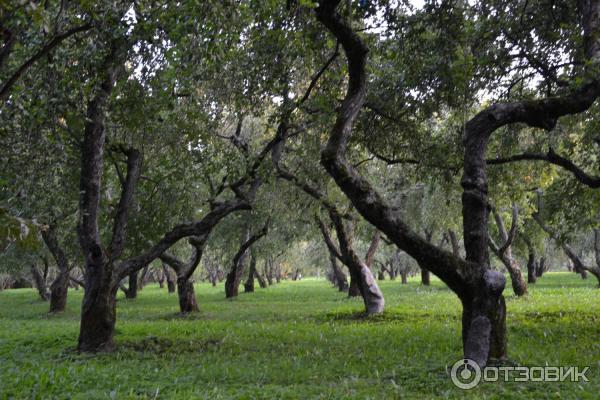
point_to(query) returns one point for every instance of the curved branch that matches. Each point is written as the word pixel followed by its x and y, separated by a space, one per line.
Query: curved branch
pixel 553 158
pixel 6 86
pixel 364 197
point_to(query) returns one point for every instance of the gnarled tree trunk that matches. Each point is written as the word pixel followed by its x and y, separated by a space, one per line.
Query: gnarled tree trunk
pixel 99 308
pixel 234 277
pixel 186 295
pixel 504 252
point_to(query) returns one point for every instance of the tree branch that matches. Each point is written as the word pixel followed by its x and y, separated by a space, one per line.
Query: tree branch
pixel 6 86
pixel 134 164
pixel 552 158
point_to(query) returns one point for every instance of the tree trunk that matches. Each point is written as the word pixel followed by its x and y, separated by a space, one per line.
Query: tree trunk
pixel 187 296
pixel 425 277
pixel 131 292
pixel 249 284
pixel 142 281
pixel 231 285
pixel 60 286
pixel 484 320
pixel 539 267
pixel 340 277
pixel 404 276
pixel 531 268
pixel 40 283
pixel 454 243
pixel 58 292
pixel 160 278
pixel 261 280
pixel 169 278
pixel 98 311
pixel 370 256
pixel 234 277
pixel 353 289
pixel 504 252
pixel 278 276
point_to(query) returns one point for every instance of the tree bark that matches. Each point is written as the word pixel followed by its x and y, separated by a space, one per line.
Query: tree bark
pixel 58 292
pixel 131 292
pixel 160 278
pixel 370 256
pixel 425 274
pixel 454 243
pixel 404 276
pixel 504 252
pixel 261 280
pixel 341 280
pixel 425 277
pixel 531 267
pixel 541 267
pixel 59 288
pixel 142 279
pixel 40 283
pixel 186 295
pixel 98 312
pixel 249 284
pixel 531 261
pixel 184 272
pixel 234 277
pixel 169 279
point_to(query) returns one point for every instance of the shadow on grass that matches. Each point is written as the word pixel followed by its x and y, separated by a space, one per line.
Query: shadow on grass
pixel 160 345
pixel 385 317
pixel 178 316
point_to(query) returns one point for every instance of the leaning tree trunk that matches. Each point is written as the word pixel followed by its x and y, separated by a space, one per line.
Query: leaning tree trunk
pixel 39 282
pixel 234 277
pixel 340 277
pixel 142 280
pixel 261 280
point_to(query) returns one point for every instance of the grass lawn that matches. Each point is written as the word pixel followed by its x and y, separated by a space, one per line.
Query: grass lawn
pixel 295 340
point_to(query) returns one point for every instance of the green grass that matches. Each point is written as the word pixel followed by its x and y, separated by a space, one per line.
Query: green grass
pixel 295 340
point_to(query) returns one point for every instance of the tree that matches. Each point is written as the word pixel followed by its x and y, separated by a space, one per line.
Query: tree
pixel 480 288
pixel 504 250
pixel 234 277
